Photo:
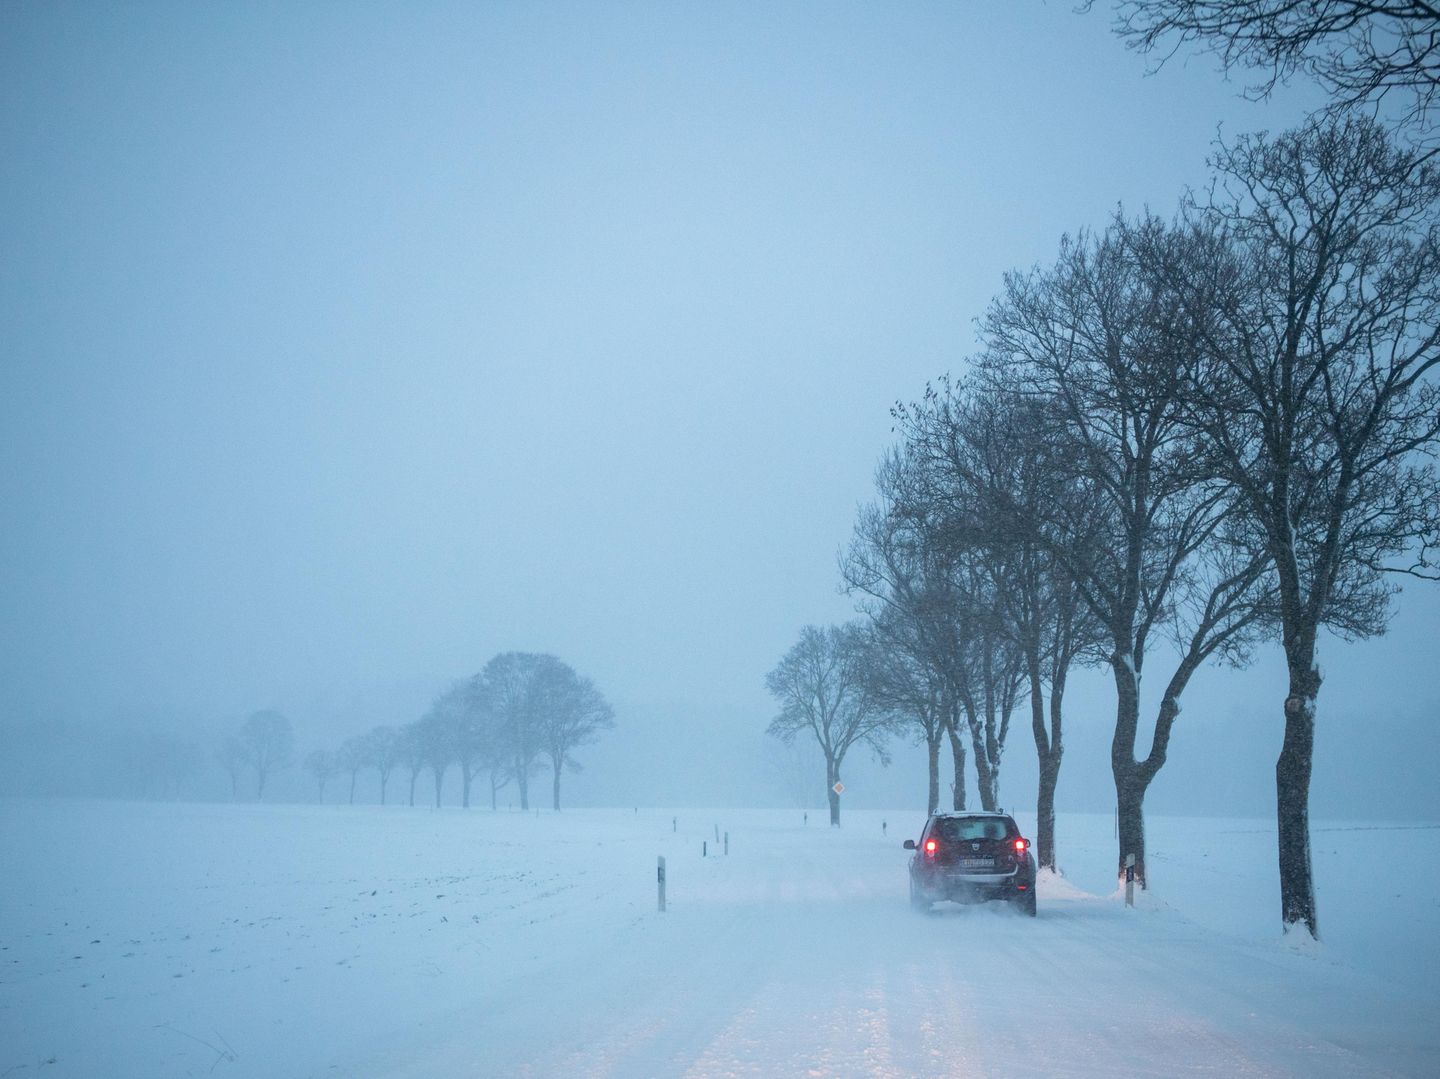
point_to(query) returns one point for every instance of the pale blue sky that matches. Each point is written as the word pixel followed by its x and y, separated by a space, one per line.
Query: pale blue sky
pixel 346 345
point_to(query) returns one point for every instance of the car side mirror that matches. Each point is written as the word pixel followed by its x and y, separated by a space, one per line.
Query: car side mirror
pixel 909 844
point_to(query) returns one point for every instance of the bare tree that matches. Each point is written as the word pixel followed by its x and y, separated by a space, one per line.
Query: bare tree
pixel 353 757
pixel 231 757
pixel 1144 544
pixel 435 742
pixel 510 690
pixel 571 713
pixel 383 751
pixel 920 555
pixel 1020 624
pixel 903 683
pixel 989 698
pixel 902 571
pixel 410 750
pixel 985 673
pixel 1314 274
pixel 465 720
pixel 1362 52
pixel 266 741
pixel 323 766
pixel 820 686
pixel 1037 602
pixel 500 777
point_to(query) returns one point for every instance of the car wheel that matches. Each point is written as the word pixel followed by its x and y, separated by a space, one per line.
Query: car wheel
pixel 1027 902
pixel 917 901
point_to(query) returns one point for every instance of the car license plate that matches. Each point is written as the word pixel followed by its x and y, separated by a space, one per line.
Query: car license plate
pixel 977 863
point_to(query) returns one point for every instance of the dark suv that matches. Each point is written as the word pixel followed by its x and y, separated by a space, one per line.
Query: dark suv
pixel 969 858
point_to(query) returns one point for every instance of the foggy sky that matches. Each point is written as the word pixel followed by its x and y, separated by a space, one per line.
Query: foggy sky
pixel 346 346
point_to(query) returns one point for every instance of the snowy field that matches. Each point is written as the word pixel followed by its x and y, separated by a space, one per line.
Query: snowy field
pixel 153 940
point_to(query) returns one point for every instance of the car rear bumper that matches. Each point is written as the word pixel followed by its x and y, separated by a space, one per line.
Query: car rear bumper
pixel 969 887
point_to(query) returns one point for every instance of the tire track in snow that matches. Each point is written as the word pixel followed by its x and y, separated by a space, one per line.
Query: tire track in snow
pixel 1184 1007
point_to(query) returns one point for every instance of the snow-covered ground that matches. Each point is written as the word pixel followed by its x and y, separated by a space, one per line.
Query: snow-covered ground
pixel 175 940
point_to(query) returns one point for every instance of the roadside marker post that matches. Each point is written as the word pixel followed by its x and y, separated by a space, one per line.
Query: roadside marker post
pixel 727 844
pixel 660 882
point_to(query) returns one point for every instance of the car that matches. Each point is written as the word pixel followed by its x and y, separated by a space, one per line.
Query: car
pixel 971 858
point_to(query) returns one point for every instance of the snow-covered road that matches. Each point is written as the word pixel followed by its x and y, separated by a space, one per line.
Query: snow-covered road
pixel 307 941
pixel 801 959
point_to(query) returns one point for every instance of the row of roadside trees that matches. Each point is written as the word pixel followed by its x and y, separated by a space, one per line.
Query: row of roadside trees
pixel 523 712
pixel 1180 440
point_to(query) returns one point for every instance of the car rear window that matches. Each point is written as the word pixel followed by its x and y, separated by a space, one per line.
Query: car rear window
pixel 963 828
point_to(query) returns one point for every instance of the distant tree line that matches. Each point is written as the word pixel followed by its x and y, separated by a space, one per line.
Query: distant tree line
pixel 523 712
pixel 156 764
pixel 1179 440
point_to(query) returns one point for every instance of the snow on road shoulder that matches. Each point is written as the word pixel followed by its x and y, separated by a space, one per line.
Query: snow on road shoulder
pixel 1051 887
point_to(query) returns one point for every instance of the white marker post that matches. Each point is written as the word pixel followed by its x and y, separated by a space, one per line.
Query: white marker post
pixel 660 882
pixel 1129 880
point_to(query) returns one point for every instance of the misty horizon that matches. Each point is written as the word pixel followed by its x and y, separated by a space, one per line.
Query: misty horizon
pixel 330 374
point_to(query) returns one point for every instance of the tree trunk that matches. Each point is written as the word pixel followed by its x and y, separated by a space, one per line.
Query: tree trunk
pixel 439 777
pixel 957 751
pixel 384 778
pixel 832 777
pixel 990 749
pixel 555 790
pixel 1045 810
pixel 413 777
pixel 523 782
pixel 984 775
pixel 932 750
pixel 465 776
pixel 1292 795
pixel 352 788
pixel 1049 750
pixel 1130 808
pixel 1130 784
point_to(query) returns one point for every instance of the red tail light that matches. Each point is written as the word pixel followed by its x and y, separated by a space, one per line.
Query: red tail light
pixel 1021 845
pixel 930 847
